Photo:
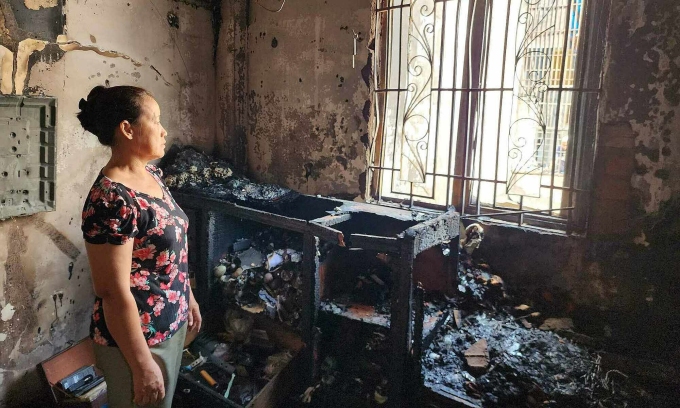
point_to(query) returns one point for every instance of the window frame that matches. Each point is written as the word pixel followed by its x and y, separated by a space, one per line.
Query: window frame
pixel 582 129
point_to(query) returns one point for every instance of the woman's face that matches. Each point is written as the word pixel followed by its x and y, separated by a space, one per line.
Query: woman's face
pixel 151 140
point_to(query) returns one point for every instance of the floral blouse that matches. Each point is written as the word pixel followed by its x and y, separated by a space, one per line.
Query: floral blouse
pixel 159 281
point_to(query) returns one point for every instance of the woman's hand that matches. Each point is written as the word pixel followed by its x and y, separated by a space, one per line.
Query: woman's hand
pixel 149 386
pixel 194 318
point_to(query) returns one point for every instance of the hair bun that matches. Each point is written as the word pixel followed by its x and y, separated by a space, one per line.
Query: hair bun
pixel 82 105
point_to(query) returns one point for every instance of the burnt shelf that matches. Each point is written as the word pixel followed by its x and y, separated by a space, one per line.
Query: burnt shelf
pixel 357 312
pixel 367 314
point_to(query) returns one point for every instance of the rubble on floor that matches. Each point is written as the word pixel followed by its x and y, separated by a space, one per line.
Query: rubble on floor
pixel 496 354
pixel 517 361
pixel 263 274
pixel 190 171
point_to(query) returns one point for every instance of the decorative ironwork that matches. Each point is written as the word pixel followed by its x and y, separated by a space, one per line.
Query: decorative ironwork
pixel 416 126
pixel 486 108
pixel 532 65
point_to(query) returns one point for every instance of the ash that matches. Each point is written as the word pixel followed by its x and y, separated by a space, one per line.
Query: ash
pixel 527 366
pixel 522 362
pixel 190 171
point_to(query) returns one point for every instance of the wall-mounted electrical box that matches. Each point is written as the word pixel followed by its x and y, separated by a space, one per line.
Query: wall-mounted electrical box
pixel 27 155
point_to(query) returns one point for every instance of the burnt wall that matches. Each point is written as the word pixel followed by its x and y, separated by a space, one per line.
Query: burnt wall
pixel 626 268
pixel 306 106
pixel 295 109
pixel 63 49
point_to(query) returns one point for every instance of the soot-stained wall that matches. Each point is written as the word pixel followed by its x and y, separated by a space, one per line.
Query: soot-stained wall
pixel 626 268
pixel 300 107
pixel 162 45
pixel 307 106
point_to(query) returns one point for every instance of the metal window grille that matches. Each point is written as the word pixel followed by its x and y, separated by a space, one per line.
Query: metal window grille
pixel 488 105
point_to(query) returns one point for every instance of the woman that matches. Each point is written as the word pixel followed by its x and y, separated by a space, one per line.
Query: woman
pixel 136 240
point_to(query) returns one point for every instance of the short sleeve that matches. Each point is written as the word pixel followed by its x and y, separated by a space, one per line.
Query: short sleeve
pixel 109 216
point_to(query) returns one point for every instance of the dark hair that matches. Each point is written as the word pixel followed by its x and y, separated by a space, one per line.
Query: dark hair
pixel 105 108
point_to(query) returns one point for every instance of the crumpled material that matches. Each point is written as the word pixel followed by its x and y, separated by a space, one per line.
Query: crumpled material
pixel 189 171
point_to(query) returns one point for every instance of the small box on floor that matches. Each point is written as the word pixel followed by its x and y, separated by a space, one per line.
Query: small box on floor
pixel 72 378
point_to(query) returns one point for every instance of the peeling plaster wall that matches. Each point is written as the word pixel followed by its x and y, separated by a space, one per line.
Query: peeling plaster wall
pixel 128 42
pixel 305 102
pixel 641 109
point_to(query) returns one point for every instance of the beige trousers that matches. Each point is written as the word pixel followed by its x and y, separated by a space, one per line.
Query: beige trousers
pixel 118 375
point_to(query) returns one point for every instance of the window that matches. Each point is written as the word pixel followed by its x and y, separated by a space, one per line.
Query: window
pixel 488 105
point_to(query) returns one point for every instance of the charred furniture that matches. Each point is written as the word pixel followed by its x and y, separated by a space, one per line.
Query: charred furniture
pixel 345 230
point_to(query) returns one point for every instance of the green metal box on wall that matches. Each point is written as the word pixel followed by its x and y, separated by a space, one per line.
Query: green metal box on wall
pixel 27 155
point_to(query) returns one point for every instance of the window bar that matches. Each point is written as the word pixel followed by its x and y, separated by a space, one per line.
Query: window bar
pixel 476 89
pixel 521 207
pixel 396 115
pixel 453 107
pixel 386 76
pixel 461 177
pixel 473 68
pixel 554 88
pixel 468 83
pixel 388 90
pixel 559 103
pixel 439 94
pixel 480 120
pixel 500 108
pixel 471 89
pixel 391 8
pixel 583 47
pixel 436 130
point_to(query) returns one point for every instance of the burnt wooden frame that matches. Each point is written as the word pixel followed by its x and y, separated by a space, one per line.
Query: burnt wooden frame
pixel 404 342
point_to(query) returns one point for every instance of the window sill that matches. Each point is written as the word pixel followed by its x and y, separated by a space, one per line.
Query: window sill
pixel 495 221
pixel 528 228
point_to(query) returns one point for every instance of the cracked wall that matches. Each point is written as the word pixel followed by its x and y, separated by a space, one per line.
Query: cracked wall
pixel 102 42
pixel 305 102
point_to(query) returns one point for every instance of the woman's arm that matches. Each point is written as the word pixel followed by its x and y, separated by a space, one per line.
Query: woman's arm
pixel 110 265
pixel 194 318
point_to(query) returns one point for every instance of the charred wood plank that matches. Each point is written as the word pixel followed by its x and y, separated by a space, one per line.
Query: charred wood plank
pixel 310 303
pixel 380 244
pixel 433 232
pixel 327 233
pixel 331 220
pixel 401 328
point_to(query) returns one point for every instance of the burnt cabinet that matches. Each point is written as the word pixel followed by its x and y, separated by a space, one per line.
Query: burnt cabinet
pixel 378 247
pixel 341 242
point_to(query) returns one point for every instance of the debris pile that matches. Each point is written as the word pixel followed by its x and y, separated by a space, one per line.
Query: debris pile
pixel 352 380
pixel 263 274
pixel 237 362
pixel 190 171
pixel 478 285
pixel 493 354
pixel 495 359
